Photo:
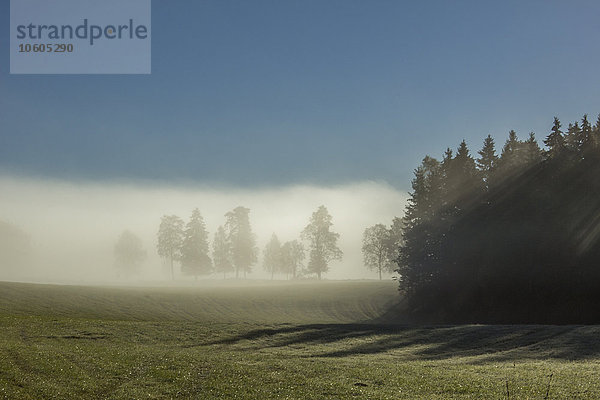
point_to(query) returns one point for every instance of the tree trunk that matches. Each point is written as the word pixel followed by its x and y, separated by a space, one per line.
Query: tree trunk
pixel 172 273
pixel 379 273
pixel 319 275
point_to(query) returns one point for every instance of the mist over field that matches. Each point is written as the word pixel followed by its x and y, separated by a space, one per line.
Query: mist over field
pixel 73 226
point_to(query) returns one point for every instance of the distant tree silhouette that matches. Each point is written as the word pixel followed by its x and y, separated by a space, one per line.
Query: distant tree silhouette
pixel 129 253
pixel 322 242
pixel 15 250
pixel 194 249
pixel 241 240
pixel 292 254
pixel 170 239
pixel 222 257
pixel 273 256
pixel 378 255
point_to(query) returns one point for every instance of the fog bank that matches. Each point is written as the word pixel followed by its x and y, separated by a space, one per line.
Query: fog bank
pixel 73 227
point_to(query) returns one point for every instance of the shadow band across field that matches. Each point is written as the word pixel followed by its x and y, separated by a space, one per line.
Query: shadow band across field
pixel 481 342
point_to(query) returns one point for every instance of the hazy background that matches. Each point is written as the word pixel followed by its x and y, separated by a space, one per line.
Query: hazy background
pixel 280 106
pixel 73 227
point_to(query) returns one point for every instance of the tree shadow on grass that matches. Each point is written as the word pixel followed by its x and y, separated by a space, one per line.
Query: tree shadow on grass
pixel 482 343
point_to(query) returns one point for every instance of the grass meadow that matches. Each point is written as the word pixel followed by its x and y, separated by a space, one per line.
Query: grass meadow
pixel 273 340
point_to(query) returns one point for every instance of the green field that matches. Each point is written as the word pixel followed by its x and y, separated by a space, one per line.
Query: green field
pixel 266 340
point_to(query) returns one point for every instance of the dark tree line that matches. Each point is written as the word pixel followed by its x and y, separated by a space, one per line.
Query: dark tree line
pixel 513 237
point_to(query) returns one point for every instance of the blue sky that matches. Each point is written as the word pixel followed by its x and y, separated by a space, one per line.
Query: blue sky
pixel 269 93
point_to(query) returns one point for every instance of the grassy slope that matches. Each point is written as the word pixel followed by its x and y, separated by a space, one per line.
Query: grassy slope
pixel 311 340
pixel 259 302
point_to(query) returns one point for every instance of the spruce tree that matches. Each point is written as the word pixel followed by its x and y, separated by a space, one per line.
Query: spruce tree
pixel 241 240
pixel 555 141
pixel 221 253
pixel 461 179
pixel 596 133
pixel 396 239
pixel 573 138
pixel 532 154
pixel 487 161
pixel 587 140
pixel 417 258
pixel 510 156
pixel 273 256
pixel 194 250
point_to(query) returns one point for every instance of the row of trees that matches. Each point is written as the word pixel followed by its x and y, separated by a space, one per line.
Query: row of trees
pixel 283 259
pixel 508 238
pixel 234 246
pixel 322 243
